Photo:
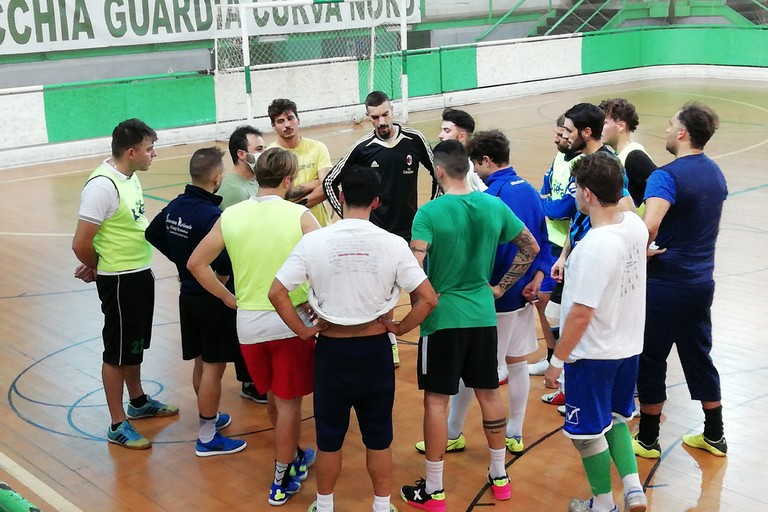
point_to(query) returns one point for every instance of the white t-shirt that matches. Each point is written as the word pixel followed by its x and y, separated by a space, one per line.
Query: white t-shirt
pixel 99 199
pixel 261 326
pixel 607 272
pixel 474 180
pixel 356 271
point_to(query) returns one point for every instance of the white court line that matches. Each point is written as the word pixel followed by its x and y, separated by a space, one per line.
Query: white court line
pixel 34 484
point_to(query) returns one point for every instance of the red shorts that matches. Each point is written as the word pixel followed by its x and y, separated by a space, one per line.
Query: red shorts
pixel 287 367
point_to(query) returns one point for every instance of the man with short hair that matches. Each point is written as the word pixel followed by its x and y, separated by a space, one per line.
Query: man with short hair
pixel 357 271
pixel 246 144
pixel 621 120
pixel 313 155
pixel 459 125
pixel 601 335
pixel 683 205
pixel 460 232
pixel 110 244
pixel 395 152
pixel 259 234
pixel 208 326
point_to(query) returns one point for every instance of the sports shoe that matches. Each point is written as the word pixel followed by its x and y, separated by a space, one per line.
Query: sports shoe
pixel 454 445
pixel 313 507
pixel 647 452
pixel 153 408
pixel 416 495
pixel 561 410
pixel 279 494
pixel 249 391
pixel 396 355
pixel 126 435
pixel 300 466
pixel 223 421
pixel 502 489
pixel 717 448
pixel 539 367
pixel 635 501
pixel 503 374
pixel 219 445
pixel 578 505
pixel 556 398
pixel 514 444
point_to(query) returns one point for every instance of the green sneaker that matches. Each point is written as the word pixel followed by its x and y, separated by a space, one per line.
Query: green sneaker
pixel 454 445
pixel 126 436
pixel 514 444
pixel 153 408
pixel 646 452
pixel 716 448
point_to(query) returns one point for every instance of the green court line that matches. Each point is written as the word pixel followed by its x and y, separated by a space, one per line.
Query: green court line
pixel 161 199
pixel 750 189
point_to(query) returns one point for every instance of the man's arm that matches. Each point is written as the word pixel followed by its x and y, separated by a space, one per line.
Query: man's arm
pixel 82 245
pixel 317 195
pixel 419 250
pixel 655 210
pixel 156 234
pixel 309 222
pixel 200 265
pixel 333 179
pixel 423 301
pixel 573 329
pixel 278 296
pixel 558 267
pixel 528 248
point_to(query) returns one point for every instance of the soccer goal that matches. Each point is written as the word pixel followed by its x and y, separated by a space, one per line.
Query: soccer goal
pixel 320 53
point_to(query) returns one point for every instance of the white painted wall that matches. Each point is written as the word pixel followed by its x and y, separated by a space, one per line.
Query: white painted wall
pixel 525 60
pixel 23 118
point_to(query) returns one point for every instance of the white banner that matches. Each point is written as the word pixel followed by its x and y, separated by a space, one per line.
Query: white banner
pixel 35 26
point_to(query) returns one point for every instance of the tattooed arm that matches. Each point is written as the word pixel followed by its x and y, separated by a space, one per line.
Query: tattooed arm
pixel 528 248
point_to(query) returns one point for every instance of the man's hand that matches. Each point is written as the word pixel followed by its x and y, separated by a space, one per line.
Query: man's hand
pixel 85 273
pixel 551 376
pixel 531 290
pixel 497 291
pixel 312 331
pixel 558 270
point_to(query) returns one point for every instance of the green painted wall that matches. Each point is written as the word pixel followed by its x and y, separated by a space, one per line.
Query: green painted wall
pixel 690 45
pixel 83 111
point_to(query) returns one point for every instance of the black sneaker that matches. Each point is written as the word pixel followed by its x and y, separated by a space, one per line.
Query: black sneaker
pixel 249 391
pixel 417 496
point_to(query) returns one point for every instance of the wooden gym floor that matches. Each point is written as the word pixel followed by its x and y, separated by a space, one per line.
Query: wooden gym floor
pixel 52 423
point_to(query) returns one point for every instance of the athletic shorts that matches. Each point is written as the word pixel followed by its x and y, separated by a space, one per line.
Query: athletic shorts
pixel 449 354
pixel 516 333
pixel 128 304
pixel 678 314
pixel 599 390
pixel 284 366
pixel 354 373
pixel 208 329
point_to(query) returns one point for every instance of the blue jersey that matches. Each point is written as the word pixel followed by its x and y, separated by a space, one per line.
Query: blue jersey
pixel 695 188
pixel 525 202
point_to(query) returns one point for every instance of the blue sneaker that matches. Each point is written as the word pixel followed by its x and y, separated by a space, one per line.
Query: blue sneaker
pixel 300 466
pixel 126 435
pixel 223 421
pixel 219 445
pixel 152 408
pixel 279 494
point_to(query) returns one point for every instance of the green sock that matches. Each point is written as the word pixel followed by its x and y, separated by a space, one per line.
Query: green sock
pixel 598 468
pixel 620 446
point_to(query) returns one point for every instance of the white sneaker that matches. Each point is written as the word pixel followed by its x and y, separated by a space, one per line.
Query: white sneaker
pixel 539 367
pixel 635 501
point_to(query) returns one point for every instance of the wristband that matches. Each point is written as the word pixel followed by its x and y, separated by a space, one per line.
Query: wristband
pixel 556 362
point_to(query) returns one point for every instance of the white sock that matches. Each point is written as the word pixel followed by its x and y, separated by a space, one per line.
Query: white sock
pixel 207 429
pixel 632 483
pixel 603 502
pixel 325 502
pixel 458 412
pixel 518 387
pixel 434 476
pixel 380 503
pixel 280 470
pixel 497 468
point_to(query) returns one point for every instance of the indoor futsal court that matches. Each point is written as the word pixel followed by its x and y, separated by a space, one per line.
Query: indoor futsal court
pixel 53 421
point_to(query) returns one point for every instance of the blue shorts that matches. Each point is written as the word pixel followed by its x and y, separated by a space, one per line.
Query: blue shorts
pixel 598 390
pixel 359 373
pixel 678 314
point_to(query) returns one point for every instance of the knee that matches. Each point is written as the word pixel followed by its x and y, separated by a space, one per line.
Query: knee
pixel 589 447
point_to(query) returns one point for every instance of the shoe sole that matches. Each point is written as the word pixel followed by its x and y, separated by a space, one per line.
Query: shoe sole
pixel 157 415
pixel 288 496
pixel 222 427
pixel 424 507
pixel 213 453
pixel 249 397
pixel 142 447
pixel 709 449
pixel 454 450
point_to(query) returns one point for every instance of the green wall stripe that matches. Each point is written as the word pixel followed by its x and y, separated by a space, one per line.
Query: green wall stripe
pixel 691 45
pixel 94 110
pixel 459 68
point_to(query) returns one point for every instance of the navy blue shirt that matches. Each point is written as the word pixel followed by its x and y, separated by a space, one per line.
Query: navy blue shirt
pixel 525 202
pixel 178 229
pixel 695 187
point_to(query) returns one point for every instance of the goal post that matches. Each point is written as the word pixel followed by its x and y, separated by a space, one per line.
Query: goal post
pixel 259 39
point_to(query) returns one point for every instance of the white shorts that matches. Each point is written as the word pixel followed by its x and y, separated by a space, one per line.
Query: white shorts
pixel 516 333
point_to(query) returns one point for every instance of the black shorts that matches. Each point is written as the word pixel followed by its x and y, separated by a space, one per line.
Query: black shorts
pixel 128 304
pixel 449 354
pixel 208 329
pixel 359 373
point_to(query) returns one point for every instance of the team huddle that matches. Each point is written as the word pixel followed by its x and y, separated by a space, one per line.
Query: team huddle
pixel 616 254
